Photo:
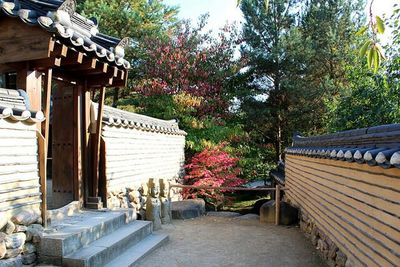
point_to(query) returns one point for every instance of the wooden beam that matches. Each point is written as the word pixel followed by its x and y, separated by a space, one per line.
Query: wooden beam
pixel 52 44
pixel 96 146
pixel 114 71
pixel 225 188
pixel 12 67
pixel 67 77
pixel 126 78
pixel 45 63
pixel 119 83
pixel 87 64
pixel 101 68
pixel 60 50
pixel 74 58
pixel 96 81
pixel 57 49
pixel 104 68
pixel 77 63
pixel 21 42
pixel 122 80
pixel 122 74
pixel 107 79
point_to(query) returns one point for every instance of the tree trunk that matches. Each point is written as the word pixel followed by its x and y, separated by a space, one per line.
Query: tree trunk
pixel 115 97
pixel 279 139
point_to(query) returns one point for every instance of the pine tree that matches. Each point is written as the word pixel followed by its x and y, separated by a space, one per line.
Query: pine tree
pixel 297 53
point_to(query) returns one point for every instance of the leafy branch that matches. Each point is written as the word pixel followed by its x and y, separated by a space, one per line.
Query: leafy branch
pixel 371 48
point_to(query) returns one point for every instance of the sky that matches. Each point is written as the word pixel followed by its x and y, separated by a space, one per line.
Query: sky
pixel 222 11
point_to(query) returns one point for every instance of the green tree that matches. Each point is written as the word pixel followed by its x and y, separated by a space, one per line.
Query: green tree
pixel 298 53
pixel 372 95
pixel 367 101
pixel 393 52
pixel 266 49
pixel 136 19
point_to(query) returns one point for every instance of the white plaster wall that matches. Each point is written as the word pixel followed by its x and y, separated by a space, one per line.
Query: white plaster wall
pixel 19 168
pixel 133 156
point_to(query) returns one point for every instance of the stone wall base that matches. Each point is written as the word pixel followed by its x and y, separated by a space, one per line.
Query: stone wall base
pixel 135 197
pixel 19 238
pixel 327 248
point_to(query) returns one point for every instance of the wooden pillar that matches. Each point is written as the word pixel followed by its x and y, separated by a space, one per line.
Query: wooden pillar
pixel 34 89
pixel 277 204
pixel 42 175
pixel 44 145
pixel 31 82
pixel 86 159
pixel 46 106
pixel 96 144
pixel 77 150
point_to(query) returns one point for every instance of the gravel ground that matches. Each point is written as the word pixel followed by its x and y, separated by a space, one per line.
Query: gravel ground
pixel 223 240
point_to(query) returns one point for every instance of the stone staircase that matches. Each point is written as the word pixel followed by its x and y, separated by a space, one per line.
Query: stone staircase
pixel 99 238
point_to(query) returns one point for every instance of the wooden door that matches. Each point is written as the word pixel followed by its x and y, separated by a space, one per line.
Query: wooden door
pixel 66 133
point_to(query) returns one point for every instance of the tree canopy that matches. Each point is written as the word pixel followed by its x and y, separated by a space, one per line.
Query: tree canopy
pixel 300 69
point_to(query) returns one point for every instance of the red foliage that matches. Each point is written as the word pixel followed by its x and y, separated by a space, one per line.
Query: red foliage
pixel 190 62
pixel 212 167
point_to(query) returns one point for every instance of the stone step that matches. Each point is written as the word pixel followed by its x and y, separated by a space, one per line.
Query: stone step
pixel 57 215
pixel 103 250
pixel 133 255
pixel 80 230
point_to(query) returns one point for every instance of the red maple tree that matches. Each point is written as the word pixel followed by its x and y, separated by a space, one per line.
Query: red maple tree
pixel 215 168
pixel 190 62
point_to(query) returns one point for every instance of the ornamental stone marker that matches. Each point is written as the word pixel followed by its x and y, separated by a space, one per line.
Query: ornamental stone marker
pixel 165 203
pixel 153 205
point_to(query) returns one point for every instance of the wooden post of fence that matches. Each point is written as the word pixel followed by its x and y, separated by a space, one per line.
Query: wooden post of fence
pixel 277 204
pixel 169 191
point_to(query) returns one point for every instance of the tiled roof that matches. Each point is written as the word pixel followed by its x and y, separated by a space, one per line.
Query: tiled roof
pixel 13 107
pixel 278 174
pixel 59 18
pixel 120 118
pixel 378 145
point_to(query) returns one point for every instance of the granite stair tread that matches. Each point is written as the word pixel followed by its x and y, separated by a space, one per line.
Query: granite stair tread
pixel 109 246
pixel 132 256
pixel 99 238
pixel 80 230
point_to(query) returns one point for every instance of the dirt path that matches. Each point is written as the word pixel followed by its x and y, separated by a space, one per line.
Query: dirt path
pixel 220 241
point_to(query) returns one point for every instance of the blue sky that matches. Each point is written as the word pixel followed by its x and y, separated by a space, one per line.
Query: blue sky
pixel 222 11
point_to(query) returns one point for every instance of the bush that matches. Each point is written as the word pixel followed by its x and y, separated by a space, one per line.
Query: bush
pixel 212 167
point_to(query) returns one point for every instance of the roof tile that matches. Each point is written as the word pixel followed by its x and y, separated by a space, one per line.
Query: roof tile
pixel 60 18
pixel 379 145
